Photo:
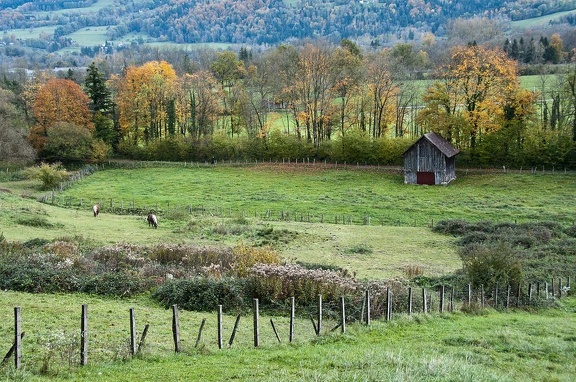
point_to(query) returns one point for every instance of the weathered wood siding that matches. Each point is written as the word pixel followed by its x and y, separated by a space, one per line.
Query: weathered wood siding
pixel 425 157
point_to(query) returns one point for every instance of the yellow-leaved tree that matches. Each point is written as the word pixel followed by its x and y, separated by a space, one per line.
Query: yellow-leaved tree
pixel 143 95
pixel 469 101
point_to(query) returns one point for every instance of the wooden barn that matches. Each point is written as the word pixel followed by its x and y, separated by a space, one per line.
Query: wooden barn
pixel 430 160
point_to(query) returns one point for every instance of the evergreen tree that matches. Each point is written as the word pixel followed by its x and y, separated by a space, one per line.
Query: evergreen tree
pixel 97 90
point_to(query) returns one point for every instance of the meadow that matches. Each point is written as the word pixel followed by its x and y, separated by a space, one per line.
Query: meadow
pixel 226 205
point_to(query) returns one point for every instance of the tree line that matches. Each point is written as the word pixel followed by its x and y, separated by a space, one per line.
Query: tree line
pixel 316 100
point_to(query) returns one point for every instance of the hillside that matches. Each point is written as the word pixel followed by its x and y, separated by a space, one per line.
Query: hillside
pixel 53 25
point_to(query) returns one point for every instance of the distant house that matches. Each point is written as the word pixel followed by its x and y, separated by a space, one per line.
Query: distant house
pixel 430 160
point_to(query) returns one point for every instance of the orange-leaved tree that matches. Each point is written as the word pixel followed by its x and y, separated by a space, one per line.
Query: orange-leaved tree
pixel 57 101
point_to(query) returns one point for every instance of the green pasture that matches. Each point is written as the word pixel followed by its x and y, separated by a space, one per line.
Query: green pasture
pixel 491 346
pixel 373 252
pixel 366 221
pixel 89 36
pixel 328 193
pixel 539 21
pixel 31 33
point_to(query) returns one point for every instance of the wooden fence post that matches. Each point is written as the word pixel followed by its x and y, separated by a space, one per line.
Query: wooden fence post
pixel 452 299
pixel 482 296
pixel 292 317
pixel 424 302
pixel 274 329
pixel 367 304
pixel 342 315
pixel 388 304
pixel 441 309
pixel 234 331
pixel 319 314
pixel 84 336
pixel 176 328
pixel 219 326
pixel 409 300
pixel 200 332
pixel 560 287
pixel 469 294
pixel 17 339
pixel 496 296
pixel 508 296
pixel 256 327
pixel 132 332
pixel 143 338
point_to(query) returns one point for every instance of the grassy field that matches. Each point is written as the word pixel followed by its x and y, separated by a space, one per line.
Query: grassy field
pixel 230 206
pixel 369 251
pixel 331 193
pixel 539 21
pixel 492 346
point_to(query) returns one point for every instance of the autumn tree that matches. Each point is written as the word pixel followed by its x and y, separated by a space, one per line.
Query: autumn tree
pixel 312 85
pixel 468 102
pixel 405 64
pixel 203 106
pixel 284 60
pixel 59 100
pixel 347 77
pixel 382 90
pixel 13 131
pixel 227 68
pixel 143 96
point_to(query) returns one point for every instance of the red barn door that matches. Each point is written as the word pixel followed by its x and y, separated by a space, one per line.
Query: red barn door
pixel 425 178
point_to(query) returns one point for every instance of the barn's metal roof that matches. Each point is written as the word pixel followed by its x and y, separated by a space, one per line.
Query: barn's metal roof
pixel 440 143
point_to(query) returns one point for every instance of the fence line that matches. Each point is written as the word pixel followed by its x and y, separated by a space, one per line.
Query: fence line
pixel 470 299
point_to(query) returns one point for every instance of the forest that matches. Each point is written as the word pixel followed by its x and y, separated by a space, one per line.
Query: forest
pixel 317 101
pixel 257 22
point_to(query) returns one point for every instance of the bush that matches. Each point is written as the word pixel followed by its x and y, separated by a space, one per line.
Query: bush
pixel 244 257
pixel 272 283
pixel 488 264
pixel 49 174
pixel 202 294
pixel 118 284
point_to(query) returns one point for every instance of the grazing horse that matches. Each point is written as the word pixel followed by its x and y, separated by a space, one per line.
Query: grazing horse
pixel 96 210
pixel 152 221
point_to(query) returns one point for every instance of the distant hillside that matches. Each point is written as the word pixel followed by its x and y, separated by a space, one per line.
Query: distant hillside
pixel 252 21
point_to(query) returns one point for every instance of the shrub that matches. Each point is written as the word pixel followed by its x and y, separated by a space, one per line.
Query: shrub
pixel 451 227
pixel 571 231
pixel 202 294
pixel 49 174
pixel 492 263
pixel 118 284
pixel 271 283
pixel 34 221
pixel 244 257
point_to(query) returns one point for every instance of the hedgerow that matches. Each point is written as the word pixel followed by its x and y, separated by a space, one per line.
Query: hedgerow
pixel 509 253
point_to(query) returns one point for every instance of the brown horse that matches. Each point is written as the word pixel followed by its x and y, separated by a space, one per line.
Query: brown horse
pixel 96 210
pixel 152 220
